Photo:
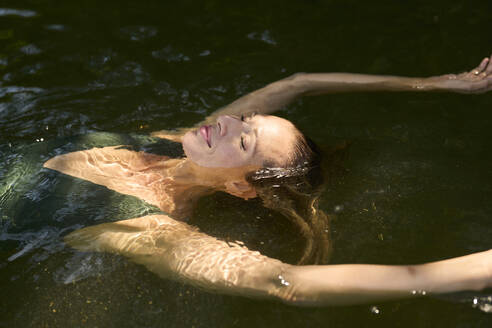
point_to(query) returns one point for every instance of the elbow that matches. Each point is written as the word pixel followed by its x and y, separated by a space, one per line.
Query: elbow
pixel 291 288
pixel 289 296
pixel 299 82
pixel 296 76
pixel 284 287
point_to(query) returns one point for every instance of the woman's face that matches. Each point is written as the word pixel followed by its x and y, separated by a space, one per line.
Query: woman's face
pixel 236 142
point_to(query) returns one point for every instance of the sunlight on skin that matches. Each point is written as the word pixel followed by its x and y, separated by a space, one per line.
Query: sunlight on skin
pixel 173 185
pixel 174 249
pixel 235 141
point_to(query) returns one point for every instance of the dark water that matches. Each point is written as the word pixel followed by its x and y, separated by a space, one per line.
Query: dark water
pixel 77 74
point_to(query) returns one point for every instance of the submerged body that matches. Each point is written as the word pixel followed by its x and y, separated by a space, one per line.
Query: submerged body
pixel 171 184
pixel 220 156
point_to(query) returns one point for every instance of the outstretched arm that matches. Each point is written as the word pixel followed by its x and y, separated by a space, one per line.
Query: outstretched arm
pixel 277 95
pixel 176 250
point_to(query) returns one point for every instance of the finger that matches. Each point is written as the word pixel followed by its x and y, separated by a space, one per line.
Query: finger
pixel 481 67
pixel 489 66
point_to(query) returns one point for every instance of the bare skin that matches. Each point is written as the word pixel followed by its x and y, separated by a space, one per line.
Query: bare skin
pixel 173 185
pixel 176 250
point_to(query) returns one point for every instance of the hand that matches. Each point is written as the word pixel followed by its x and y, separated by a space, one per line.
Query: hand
pixel 478 80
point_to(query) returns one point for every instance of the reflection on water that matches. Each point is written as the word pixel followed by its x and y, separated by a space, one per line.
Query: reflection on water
pixel 138 33
pixel 16 12
pixel 264 36
pixel 419 185
pixel 82 266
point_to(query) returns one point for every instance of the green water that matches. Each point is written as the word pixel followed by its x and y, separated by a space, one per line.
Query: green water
pixel 79 74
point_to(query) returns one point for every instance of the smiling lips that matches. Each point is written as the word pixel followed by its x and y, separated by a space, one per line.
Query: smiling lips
pixel 206 132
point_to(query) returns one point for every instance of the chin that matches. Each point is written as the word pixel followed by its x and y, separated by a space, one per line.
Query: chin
pixel 191 149
pixel 187 143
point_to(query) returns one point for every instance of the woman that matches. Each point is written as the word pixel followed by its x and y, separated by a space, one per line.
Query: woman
pixel 236 154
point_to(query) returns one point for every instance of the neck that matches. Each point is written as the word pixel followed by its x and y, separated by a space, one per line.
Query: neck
pixel 190 182
pixel 187 173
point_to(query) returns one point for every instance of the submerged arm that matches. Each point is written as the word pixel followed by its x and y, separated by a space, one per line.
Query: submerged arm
pixel 176 250
pixel 143 175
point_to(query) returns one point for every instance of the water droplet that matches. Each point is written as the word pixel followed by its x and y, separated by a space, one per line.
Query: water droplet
pixel 375 310
pixel 338 208
pixel 419 292
pixel 283 281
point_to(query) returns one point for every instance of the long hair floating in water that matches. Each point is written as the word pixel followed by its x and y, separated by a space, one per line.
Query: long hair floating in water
pixel 294 192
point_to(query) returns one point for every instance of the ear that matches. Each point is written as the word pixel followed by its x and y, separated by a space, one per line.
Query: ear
pixel 240 188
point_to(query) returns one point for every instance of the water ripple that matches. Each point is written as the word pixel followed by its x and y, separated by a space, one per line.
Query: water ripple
pixel 55 27
pixel 30 49
pixel 128 74
pixel 17 12
pixel 170 55
pixel 46 240
pixel 264 36
pixel 138 33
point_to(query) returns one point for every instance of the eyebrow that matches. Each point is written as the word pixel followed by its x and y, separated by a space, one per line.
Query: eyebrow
pixel 256 140
pixel 255 131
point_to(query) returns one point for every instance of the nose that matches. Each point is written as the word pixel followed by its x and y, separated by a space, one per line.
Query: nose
pixel 228 124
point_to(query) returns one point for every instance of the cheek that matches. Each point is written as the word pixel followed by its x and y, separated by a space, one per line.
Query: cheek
pixel 224 156
pixel 230 157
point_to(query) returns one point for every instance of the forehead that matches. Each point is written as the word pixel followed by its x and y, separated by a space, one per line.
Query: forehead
pixel 276 138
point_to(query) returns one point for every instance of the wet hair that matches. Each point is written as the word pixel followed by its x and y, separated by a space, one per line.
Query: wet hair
pixel 305 153
pixel 293 189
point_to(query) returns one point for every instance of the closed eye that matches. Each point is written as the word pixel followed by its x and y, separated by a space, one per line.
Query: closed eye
pixel 242 144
